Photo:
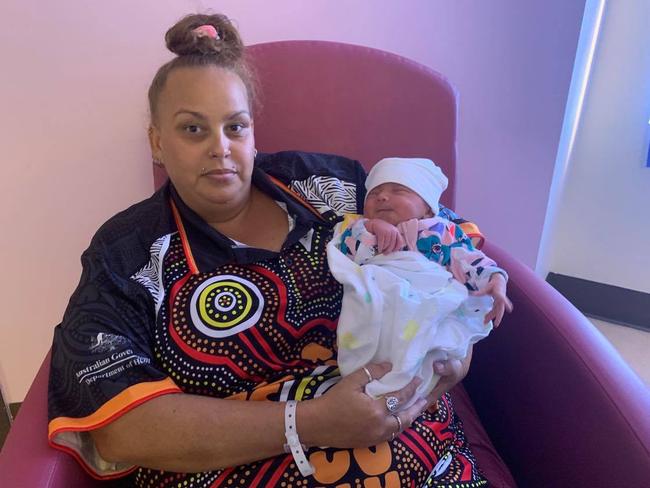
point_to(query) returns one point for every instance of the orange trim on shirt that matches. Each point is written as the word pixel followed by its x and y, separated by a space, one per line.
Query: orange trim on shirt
pixel 184 240
pixel 290 192
pixel 88 469
pixel 472 231
pixel 115 407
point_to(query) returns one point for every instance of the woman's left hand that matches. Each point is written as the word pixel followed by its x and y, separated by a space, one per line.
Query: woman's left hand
pixel 451 373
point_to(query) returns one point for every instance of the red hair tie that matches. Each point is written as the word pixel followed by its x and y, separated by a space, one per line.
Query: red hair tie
pixel 207 30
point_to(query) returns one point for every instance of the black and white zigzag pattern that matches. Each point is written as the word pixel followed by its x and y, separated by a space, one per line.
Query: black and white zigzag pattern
pixel 327 193
pixel 150 275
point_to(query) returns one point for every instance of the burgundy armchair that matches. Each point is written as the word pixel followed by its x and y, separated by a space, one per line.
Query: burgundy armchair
pixel 557 401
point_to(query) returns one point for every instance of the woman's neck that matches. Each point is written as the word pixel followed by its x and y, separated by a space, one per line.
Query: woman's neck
pixel 228 217
pixel 259 223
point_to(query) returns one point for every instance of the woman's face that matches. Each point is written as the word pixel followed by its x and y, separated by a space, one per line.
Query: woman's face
pixel 395 203
pixel 203 136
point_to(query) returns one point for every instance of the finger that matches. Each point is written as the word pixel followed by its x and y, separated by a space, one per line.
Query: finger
pixel 380 243
pixel 402 395
pixel 450 373
pixel 490 316
pixel 450 367
pixel 409 415
pixel 483 291
pixel 377 371
pixel 439 390
pixel 390 243
pixel 398 245
pixel 395 242
pixel 509 306
pixel 368 374
pixel 400 241
pixel 386 243
pixel 499 315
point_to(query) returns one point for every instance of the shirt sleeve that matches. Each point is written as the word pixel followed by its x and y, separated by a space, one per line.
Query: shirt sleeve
pixel 353 240
pixel 470 228
pixel 469 265
pixel 102 362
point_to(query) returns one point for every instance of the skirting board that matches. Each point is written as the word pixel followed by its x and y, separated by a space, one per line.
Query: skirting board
pixel 605 302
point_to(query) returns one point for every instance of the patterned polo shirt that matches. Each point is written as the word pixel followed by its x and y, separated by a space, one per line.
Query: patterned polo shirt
pixel 166 304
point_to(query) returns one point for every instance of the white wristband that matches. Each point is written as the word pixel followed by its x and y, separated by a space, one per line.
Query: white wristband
pixel 293 443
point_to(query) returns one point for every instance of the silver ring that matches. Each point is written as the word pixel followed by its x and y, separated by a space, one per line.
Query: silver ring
pixel 399 422
pixel 367 371
pixel 392 437
pixel 392 403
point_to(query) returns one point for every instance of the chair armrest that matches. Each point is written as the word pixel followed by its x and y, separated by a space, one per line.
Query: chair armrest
pixel 26 458
pixel 560 404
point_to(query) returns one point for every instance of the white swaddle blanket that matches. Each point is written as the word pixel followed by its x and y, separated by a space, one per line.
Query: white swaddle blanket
pixel 407 310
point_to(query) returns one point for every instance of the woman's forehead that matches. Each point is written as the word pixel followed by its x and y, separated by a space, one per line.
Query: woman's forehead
pixel 204 88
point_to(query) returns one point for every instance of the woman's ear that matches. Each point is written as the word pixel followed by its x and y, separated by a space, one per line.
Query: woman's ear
pixel 154 144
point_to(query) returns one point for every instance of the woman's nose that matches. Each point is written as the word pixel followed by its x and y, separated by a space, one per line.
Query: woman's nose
pixel 220 147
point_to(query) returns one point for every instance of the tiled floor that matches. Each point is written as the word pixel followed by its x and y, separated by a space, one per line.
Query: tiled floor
pixel 632 344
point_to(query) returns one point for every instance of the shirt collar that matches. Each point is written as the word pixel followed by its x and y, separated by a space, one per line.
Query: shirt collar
pixel 211 249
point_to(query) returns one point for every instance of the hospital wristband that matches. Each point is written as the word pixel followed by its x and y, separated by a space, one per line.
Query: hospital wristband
pixel 293 444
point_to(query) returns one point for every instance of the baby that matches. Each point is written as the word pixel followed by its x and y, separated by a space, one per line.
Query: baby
pixel 415 288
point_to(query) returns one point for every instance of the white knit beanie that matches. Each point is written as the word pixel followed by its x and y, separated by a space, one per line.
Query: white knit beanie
pixel 420 175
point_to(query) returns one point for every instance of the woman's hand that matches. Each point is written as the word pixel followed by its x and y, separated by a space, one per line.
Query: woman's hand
pixel 451 373
pixel 496 288
pixel 347 417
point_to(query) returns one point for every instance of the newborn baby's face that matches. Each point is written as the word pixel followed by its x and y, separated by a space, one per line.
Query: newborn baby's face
pixel 395 203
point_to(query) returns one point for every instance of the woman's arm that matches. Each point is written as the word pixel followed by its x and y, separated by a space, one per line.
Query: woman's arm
pixel 190 433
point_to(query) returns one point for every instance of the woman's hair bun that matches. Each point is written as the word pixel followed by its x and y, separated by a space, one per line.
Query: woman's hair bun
pixel 184 40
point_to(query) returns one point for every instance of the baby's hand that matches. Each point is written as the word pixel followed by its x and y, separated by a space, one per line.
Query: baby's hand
pixel 496 288
pixel 388 237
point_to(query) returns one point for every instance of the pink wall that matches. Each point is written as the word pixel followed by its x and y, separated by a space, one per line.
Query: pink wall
pixel 73 85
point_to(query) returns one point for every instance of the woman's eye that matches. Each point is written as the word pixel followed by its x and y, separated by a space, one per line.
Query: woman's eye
pixel 192 129
pixel 236 128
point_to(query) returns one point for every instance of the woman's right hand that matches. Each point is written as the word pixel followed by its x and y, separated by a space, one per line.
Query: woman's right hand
pixel 346 417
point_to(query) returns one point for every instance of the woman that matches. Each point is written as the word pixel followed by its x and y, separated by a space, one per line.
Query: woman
pixel 215 292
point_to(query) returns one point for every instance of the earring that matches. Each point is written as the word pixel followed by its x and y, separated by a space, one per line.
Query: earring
pixel 255 153
pixel 157 162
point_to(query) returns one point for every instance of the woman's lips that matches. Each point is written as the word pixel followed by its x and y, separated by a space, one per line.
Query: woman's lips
pixel 221 175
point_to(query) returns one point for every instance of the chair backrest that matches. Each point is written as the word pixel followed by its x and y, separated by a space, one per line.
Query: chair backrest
pixel 354 101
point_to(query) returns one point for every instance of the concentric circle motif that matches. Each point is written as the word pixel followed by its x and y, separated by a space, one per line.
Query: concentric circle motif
pixel 225 305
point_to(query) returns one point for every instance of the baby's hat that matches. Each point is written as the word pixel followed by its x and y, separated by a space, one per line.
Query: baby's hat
pixel 419 174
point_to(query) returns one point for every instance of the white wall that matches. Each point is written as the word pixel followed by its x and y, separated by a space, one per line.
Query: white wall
pixel 73 97
pixel 602 232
